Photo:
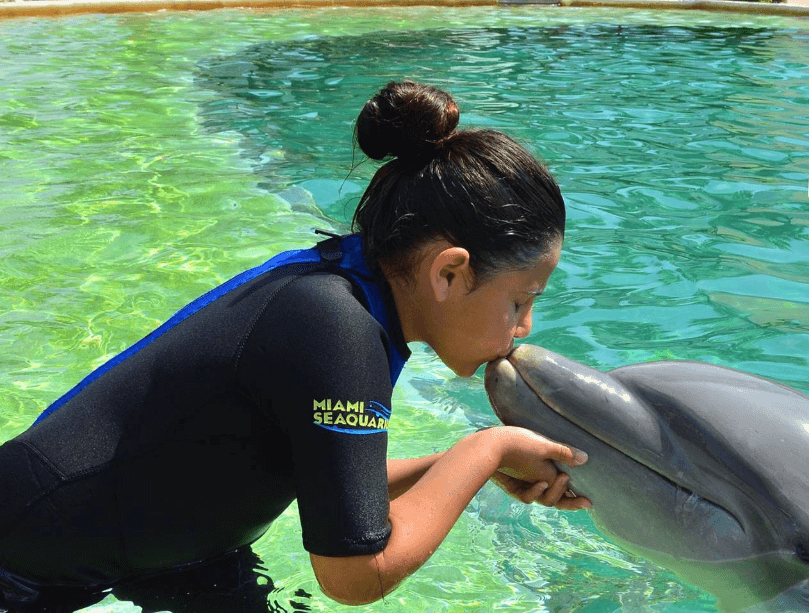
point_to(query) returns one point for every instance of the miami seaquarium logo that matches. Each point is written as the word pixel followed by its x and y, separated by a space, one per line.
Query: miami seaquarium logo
pixel 351 417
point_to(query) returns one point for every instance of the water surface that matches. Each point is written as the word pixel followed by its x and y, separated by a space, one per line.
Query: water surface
pixel 147 158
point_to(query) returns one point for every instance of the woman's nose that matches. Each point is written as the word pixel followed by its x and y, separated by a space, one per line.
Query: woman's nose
pixel 524 325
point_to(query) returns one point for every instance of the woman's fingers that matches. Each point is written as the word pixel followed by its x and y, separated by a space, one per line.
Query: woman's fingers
pixel 557 489
pixel 534 492
pixel 574 504
pixel 539 492
pixel 560 496
pixel 517 488
pixel 566 454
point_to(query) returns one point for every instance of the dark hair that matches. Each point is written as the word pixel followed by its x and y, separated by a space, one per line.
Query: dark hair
pixel 477 189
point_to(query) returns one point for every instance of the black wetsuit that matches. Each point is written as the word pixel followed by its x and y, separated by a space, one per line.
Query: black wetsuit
pixel 275 386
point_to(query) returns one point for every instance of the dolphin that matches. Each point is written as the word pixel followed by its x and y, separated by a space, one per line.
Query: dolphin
pixel 701 469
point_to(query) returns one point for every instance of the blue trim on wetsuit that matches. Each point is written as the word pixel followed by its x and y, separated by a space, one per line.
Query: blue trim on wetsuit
pixel 346 255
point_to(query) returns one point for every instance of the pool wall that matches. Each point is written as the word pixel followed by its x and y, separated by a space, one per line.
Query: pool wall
pixel 58 8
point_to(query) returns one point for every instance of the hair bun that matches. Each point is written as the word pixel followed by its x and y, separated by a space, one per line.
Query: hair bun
pixel 406 120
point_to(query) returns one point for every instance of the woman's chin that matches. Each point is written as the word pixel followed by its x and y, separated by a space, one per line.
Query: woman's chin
pixel 467 370
pixel 463 368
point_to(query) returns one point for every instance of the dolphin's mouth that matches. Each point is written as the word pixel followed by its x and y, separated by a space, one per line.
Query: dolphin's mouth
pixel 621 444
pixel 687 507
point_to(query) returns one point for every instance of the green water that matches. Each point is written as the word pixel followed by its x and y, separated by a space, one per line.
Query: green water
pixel 147 158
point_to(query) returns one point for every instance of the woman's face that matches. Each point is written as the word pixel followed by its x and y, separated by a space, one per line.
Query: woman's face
pixel 472 328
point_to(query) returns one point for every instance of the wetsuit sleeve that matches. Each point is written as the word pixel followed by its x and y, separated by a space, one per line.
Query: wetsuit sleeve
pixel 317 362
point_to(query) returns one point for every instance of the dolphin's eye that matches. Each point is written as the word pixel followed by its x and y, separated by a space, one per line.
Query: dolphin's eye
pixel 802 552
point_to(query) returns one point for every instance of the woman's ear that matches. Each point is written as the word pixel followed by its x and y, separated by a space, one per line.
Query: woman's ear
pixel 449 272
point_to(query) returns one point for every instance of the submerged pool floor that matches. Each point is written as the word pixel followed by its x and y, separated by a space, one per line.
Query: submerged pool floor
pixel 149 157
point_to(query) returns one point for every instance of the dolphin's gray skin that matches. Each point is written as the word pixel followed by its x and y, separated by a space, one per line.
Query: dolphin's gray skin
pixel 701 469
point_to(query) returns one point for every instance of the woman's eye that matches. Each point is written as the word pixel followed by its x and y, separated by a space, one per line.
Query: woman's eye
pixel 521 305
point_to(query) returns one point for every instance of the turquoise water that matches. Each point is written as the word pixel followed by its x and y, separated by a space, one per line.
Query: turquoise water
pixel 146 158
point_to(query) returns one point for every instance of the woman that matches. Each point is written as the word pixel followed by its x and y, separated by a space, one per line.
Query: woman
pixel 277 385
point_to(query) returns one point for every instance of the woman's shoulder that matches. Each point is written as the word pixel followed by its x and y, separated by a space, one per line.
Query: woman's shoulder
pixel 322 298
pixel 320 288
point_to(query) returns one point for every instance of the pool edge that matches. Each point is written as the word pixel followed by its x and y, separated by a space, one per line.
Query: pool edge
pixel 59 8
pixel 730 6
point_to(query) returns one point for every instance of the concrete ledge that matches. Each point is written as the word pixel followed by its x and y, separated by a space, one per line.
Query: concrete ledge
pixel 59 8
pixel 730 6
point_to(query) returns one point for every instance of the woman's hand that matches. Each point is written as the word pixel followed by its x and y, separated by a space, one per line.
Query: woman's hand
pixel 528 474
pixel 551 493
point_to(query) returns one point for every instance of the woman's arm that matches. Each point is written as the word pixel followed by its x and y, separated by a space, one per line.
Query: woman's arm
pixel 403 474
pixel 423 515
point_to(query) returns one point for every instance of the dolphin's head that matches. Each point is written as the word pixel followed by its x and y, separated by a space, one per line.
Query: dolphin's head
pixel 702 469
